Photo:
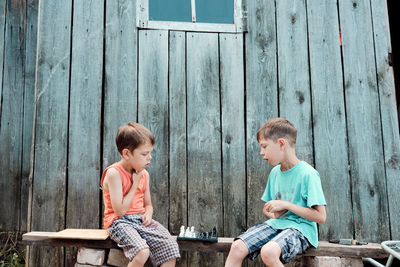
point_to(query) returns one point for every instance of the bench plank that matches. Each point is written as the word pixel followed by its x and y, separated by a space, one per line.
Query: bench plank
pixel 372 250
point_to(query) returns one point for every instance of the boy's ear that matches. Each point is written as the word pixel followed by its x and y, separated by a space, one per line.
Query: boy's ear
pixel 282 142
pixel 125 153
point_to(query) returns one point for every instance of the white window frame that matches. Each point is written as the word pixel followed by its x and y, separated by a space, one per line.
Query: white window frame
pixel 239 17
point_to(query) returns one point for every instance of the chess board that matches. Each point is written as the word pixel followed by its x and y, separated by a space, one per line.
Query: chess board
pixel 203 239
pixel 191 235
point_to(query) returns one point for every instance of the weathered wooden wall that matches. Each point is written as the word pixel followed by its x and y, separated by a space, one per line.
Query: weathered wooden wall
pixel 204 96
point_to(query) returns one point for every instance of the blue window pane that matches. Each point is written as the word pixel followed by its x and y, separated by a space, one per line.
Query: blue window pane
pixel 215 11
pixel 170 10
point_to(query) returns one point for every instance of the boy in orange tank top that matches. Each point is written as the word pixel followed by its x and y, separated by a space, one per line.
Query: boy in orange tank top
pixel 128 209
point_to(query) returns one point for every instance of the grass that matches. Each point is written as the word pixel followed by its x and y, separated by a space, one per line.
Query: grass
pixel 11 253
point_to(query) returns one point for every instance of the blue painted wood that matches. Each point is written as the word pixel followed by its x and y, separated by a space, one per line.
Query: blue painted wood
pixel 210 11
pixel 120 81
pixel 329 121
pixel 388 110
pixel 51 96
pixel 2 27
pixel 293 73
pixel 364 123
pixel 204 138
pixel 233 133
pixel 153 113
pixel 11 115
pixel 29 99
pixel 261 97
pixel 177 132
pixel 85 115
pixel 172 10
pixel 178 201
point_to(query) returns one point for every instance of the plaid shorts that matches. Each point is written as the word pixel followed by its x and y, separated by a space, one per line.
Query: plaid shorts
pixel 129 233
pixel 291 241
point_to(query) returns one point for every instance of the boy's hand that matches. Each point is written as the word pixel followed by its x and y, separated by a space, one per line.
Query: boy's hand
pixel 275 206
pixel 136 177
pixel 147 218
pixel 274 215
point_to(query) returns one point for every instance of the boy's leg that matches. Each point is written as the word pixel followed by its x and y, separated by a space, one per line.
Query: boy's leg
pixel 123 232
pixel 237 254
pixel 249 243
pixel 170 263
pixel 284 247
pixel 140 259
pixel 270 254
pixel 163 247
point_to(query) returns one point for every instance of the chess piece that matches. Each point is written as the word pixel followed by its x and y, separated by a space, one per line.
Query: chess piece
pixel 182 233
pixel 192 233
pixel 187 232
pixel 214 232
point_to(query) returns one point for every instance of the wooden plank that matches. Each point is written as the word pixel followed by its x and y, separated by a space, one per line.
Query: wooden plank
pixel 325 248
pixel 204 139
pixel 2 27
pixel 85 115
pixel 363 122
pixel 11 115
pixel 261 97
pixel 86 234
pixel 153 113
pixel 329 121
pixel 293 73
pixel 29 99
pixel 177 131
pixel 51 96
pixel 177 135
pixel 120 84
pixel 388 109
pixel 233 133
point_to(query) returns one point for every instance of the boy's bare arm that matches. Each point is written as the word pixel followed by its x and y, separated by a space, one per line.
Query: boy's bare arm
pixel 113 184
pixel 317 213
pixel 148 214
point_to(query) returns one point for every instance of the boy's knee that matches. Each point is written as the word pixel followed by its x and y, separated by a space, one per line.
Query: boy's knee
pixel 142 256
pixel 239 247
pixel 270 253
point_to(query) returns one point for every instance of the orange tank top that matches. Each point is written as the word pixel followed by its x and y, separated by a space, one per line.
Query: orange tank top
pixel 137 205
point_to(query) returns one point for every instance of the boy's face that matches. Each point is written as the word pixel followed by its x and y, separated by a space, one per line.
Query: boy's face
pixel 141 157
pixel 271 151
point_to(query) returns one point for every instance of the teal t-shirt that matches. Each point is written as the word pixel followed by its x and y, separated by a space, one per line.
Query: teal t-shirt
pixel 300 185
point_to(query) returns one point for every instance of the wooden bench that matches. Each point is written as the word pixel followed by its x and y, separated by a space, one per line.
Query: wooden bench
pixel 99 239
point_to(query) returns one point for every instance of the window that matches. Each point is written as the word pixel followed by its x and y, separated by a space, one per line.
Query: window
pixel 191 15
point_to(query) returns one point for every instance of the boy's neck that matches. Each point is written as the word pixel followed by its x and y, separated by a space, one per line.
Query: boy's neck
pixel 289 161
pixel 126 166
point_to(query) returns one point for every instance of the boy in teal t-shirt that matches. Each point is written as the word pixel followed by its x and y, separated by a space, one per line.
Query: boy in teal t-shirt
pixel 295 202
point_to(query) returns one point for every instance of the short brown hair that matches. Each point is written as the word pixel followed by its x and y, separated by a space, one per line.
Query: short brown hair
pixel 278 128
pixel 132 135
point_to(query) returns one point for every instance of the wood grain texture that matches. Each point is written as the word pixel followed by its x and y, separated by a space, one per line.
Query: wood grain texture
pixel 261 97
pixel 233 133
pixel 363 122
pixel 2 27
pixel 329 120
pixel 11 115
pixel 177 131
pixel 388 109
pixel 293 73
pixel 204 138
pixel 120 81
pixel 51 96
pixel 153 113
pixel 85 115
pixel 29 99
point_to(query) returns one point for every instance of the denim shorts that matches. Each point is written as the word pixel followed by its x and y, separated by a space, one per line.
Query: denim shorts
pixel 132 236
pixel 290 240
